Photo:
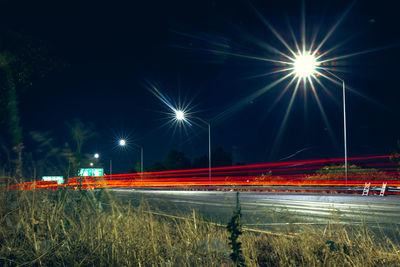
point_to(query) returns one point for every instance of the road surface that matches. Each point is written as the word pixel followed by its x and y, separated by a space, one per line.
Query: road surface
pixel 263 210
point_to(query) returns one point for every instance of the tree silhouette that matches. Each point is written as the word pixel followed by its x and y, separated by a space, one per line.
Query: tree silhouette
pixel 176 160
pixel 80 133
pixel 156 167
pixel 221 158
pixel 200 162
pixel 22 61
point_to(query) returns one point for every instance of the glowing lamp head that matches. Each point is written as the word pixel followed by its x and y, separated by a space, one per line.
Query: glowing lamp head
pixel 96 155
pixel 122 142
pixel 304 65
pixel 179 115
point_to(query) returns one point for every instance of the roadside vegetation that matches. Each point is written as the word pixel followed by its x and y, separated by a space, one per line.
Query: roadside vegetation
pixel 355 172
pixel 93 228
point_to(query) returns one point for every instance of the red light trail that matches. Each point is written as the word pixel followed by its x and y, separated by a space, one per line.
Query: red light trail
pixel 312 173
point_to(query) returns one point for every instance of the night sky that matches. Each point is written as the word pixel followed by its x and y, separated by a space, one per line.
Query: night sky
pixel 113 51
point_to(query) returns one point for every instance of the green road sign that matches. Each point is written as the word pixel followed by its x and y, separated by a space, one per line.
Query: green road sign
pixel 59 179
pixel 91 172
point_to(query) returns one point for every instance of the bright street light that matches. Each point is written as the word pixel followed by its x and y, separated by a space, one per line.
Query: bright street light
pixel 180 116
pixel 305 65
pixel 96 155
pixel 122 142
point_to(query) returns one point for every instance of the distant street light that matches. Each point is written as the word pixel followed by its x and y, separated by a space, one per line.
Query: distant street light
pixel 305 65
pixel 122 142
pixel 180 116
pixel 97 156
pixel 91 164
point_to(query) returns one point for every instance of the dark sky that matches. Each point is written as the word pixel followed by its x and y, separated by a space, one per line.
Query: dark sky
pixel 114 49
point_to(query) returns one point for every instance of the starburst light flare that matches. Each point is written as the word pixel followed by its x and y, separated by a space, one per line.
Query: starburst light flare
pixel 305 65
pixel 122 142
pixel 179 115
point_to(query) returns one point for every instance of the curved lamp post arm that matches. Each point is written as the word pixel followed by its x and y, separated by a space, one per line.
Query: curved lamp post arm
pixel 180 115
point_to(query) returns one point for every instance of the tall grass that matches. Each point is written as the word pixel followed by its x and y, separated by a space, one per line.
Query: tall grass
pixel 73 228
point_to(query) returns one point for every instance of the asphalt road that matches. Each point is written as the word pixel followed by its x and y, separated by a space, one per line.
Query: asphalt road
pixel 275 210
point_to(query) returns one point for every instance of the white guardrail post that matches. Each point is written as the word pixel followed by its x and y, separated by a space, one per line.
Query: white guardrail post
pixel 366 189
pixel 383 188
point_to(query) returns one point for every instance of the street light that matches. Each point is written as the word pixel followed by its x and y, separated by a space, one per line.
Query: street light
pixel 305 65
pixel 121 142
pixel 97 156
pixel 180 116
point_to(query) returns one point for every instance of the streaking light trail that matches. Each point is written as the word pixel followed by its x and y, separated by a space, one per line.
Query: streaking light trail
pixel 316 175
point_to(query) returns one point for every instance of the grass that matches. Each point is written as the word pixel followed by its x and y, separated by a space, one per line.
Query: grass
pixel 93 228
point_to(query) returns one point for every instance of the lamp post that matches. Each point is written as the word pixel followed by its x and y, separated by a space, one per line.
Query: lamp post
pixel 122 142
pixel 305 65
pixel 180 116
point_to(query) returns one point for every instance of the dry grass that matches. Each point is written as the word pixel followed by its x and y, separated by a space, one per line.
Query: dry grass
pixel 73 228
pixel 333 247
